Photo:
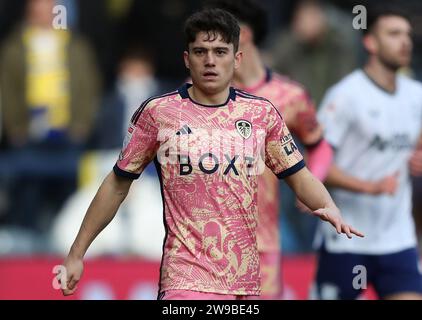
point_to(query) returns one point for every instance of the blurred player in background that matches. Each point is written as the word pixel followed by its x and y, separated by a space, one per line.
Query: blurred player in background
pixel 206 141
pixel 373 120
pixel 298 111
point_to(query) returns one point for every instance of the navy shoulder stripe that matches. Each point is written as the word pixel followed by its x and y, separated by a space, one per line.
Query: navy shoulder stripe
pixel 141 108
pixel 276 110
pixel 246 95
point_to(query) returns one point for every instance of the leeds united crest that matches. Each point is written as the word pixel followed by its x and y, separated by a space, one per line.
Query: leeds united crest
pixel 244 128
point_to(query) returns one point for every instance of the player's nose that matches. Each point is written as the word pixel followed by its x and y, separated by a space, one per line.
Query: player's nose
pixel 210 59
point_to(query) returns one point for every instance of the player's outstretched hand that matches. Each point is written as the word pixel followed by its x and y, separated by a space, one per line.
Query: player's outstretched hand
pixel 333 216
pixel 389 184
pixel 72 273
pixel 386 185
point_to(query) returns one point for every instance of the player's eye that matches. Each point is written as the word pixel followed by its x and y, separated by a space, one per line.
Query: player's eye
pixel 395 33
pixel 198 52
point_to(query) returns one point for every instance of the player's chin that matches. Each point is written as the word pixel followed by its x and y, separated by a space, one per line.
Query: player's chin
pixel 211 87
pixel 403 61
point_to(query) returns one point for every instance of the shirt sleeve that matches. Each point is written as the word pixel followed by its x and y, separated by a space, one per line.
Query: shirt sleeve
pixel 281 153
pixel 139 147
pixel 336 116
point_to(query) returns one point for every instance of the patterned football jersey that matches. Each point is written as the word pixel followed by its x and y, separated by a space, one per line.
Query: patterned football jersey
pixel 298 111
pixel 208 159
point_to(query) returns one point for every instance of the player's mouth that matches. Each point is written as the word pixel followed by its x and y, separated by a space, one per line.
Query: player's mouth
pixel 210 75
pixel 405 55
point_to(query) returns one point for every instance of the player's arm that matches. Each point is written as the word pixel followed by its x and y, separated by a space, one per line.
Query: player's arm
pixel 139 148
pixel 304 124
pixel 337 178
pixel 336 115
pixel 315 196
pixel 415 162
pixel 101 211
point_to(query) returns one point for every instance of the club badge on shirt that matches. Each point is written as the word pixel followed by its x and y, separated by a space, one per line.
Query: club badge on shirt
pixel 244 128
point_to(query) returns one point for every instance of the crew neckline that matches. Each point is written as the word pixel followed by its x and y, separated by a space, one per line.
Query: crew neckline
pixel 184 93
pixel 376 84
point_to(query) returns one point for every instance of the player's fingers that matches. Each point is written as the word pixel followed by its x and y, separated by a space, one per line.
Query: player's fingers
pixel 68 292
pixel 391 189
pixel 346 230
pixel 354 231
pixel 335 221
pixel 389 185
pixel 396 179
pixel 72 283
pixel 71 286
pixel 62 279
pixel 395 186
pixel 337 225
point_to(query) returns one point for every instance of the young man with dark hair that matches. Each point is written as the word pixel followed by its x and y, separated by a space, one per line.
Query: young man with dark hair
pixel 293 102
pixel 206 140
pixel 372 118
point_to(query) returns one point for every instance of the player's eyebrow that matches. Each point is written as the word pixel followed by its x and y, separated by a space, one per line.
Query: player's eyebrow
pixel 396 31
pixel 212 48
pixel 221 48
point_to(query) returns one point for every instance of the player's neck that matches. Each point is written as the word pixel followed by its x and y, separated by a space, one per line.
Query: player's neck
pixel 251 71
pixel 211 99
pixel 384 77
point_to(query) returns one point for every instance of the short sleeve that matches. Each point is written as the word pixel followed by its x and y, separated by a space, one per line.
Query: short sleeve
pixel 335 116
pixel 281 153
pixel 139 147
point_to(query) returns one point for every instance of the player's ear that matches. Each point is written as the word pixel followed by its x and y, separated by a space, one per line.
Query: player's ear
pixel 238 59
pixel 370 43
pixel 186 58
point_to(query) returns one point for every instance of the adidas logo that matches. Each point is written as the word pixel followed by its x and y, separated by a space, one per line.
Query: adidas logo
pixel 184 130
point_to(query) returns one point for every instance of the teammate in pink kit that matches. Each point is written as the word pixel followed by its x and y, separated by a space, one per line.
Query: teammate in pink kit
pixel 298 110
pixel 209 143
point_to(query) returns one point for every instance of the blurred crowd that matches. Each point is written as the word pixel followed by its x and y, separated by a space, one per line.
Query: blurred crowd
pixel 66 97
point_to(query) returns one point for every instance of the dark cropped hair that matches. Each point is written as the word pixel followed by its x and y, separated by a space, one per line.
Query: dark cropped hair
pixel 215 22
pixel 378 11
pixel 249 12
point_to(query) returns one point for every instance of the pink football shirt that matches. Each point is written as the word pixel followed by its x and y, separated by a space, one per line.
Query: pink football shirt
pixel 208 159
